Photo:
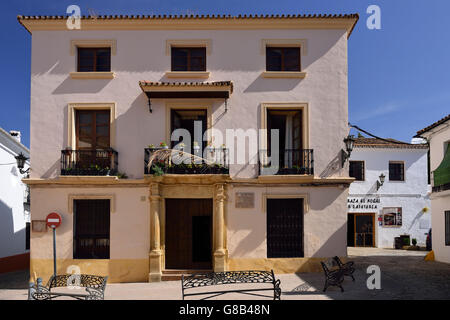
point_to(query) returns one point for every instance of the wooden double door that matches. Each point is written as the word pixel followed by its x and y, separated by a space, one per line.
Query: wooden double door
pixel 188 233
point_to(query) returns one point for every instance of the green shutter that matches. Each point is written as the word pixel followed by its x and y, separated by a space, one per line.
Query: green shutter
pixel 442 173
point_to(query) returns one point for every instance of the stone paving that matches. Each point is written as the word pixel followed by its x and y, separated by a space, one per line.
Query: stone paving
pixel 404 275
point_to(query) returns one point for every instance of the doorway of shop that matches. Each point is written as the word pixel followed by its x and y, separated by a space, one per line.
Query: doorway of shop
pixel 360 230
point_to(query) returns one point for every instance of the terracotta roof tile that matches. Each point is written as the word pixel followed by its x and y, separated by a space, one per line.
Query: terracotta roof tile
pixel 394 144
pixel 434 125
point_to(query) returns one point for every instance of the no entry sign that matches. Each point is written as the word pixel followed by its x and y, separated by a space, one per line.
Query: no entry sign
pixel 53 220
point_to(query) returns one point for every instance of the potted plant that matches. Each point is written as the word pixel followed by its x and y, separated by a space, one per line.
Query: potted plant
pixel 151 146
pixel 196 146
pixel 163 145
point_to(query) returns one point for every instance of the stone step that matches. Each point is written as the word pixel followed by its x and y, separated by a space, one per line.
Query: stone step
pixel 175 274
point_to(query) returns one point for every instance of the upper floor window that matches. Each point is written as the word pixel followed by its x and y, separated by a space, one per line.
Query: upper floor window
pixel 396 171
pixel 188 59
pixel 283 59
pixel 357 170
pixel 94 60
pixel 92 129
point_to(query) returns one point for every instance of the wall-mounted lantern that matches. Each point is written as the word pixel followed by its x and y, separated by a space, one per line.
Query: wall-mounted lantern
pixel 349 141
pixel 381 181
pixel 21 163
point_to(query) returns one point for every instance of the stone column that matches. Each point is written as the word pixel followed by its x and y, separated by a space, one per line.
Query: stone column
pixel 155 242
pixel 219 264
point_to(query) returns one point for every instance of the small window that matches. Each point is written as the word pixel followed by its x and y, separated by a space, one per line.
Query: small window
pixel 94 60
pixel 283 59
pixel 447 228
pixel 357 170
pixel 91 227
pixel 188 59
pixel 396 171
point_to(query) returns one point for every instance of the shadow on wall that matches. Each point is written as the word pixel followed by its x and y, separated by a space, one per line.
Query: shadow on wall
pixel 266 85
pixel 333 167
pixel 10 241
pixel 70 85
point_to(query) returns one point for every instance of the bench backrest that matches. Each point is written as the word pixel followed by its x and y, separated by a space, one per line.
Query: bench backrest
pixel 227 277
pixel 82 280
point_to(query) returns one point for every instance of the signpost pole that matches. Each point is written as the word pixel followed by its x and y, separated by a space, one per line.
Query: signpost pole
pixel 54 251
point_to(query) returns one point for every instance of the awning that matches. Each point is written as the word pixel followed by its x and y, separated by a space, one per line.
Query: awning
pixel 442 173
pixel 175 90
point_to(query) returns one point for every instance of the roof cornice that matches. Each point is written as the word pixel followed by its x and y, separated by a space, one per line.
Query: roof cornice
pixel 195 22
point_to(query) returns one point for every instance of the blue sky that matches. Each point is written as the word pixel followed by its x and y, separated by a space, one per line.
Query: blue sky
pixel 399 76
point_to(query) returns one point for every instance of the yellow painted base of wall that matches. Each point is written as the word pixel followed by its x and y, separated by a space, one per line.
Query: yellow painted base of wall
pixel 278 265
pixel 117 270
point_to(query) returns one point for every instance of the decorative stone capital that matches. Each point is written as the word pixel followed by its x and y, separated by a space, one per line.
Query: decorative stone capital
pixel 219 192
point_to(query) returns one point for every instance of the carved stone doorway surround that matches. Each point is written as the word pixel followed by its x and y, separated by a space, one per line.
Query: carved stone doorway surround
pixel 179 187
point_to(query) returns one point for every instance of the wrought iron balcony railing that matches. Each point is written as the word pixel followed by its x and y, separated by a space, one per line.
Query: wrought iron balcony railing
pixel 291 161
pixel 160 161
pixel 96 162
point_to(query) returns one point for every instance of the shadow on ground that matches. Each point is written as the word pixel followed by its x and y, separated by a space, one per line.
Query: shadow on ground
pixel 15 280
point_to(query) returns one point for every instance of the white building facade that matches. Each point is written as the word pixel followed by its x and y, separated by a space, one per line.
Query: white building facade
pixel 438 137
pixel 379 211
pixel 14 206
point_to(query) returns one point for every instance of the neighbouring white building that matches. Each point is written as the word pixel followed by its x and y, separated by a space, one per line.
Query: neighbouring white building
pixel 438 137
pixel 14 205
pixel 379 211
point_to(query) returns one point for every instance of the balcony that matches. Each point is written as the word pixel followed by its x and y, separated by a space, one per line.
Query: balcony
pixel 291 162
pixel 159 161
pixel 97 162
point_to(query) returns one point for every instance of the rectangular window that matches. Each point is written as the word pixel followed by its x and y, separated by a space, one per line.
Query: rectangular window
pixel 190 120
pixel 91 225
pixel 447 228
pixel 357 170
pixel 284 228
pixel 283 59
pixel 290 129
pixel 94 59
pixel 396 171
pixel 188 59
pixel 92 129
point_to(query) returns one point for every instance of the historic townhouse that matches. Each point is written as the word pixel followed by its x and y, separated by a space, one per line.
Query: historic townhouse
pixel 438 137
pixel 259 175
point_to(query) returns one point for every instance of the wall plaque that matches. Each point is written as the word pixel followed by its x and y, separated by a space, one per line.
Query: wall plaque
pixel 245 200
pixel 39 225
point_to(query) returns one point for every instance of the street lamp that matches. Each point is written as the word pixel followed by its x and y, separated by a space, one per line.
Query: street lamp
pixel 349 141
pixel 21 163
pixel 381 181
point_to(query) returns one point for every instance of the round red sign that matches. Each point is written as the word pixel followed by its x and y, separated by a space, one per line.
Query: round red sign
pixel 53 220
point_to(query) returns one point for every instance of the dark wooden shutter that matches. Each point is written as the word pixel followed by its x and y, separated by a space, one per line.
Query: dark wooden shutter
pixel 396 171
pixel 91 229
pixel 356 170
pixel 284 228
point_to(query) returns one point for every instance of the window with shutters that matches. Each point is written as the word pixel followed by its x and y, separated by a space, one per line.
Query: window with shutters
pixel 283 59
pixel 396 171
pixel 91 229
pixel 94 59
pixel 284 228
pixel 188 59
pixel 356 170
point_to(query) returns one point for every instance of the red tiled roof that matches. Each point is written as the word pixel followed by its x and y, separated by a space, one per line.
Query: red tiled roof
pixel 434 125
pixel 393 144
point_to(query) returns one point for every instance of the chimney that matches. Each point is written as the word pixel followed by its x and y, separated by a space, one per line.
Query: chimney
pixel 15 134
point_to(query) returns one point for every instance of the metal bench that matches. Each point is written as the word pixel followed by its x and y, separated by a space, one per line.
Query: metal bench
pixel 94 285
pixel 333 277
pixel 347 267
pixel 200 280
